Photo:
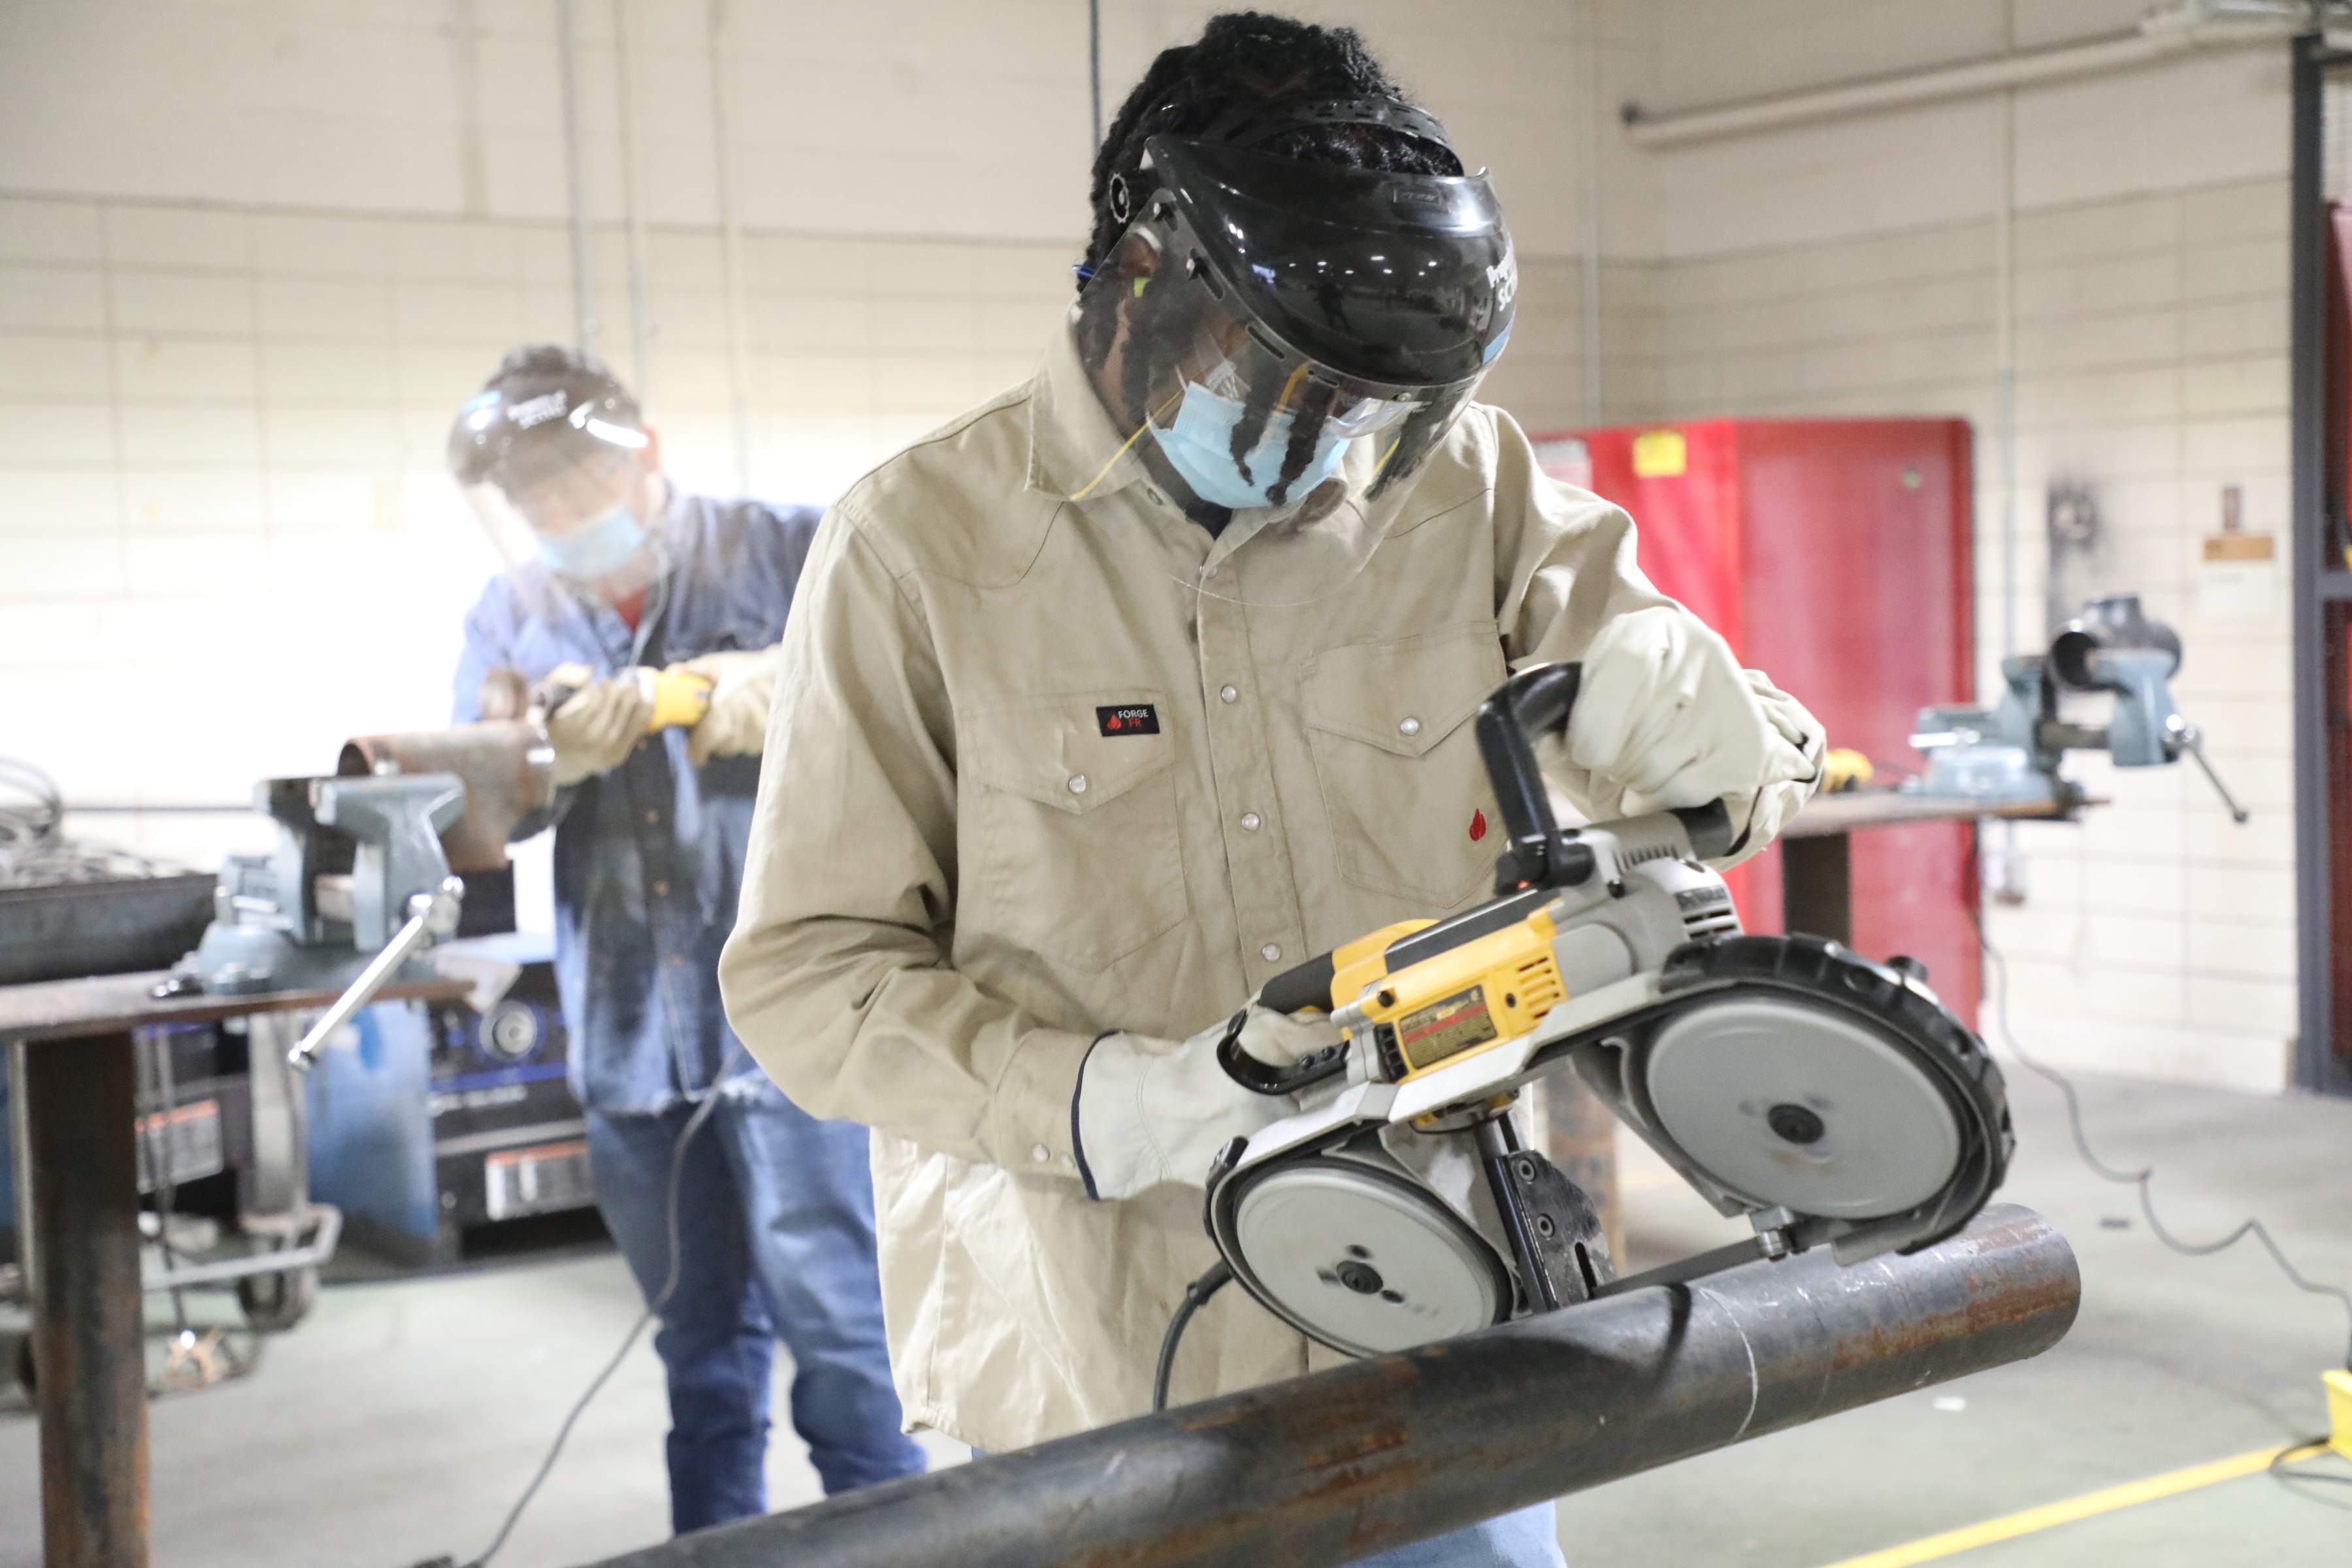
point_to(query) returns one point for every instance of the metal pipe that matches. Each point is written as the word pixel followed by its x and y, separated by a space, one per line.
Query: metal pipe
pixel 633 207
pixel 731 251
pixel 1093 74
pixel 1587 218
pixel 318 1253
pixel 2317 1067
pixel 2194 25
pixel 1373 1455
pixel 583 256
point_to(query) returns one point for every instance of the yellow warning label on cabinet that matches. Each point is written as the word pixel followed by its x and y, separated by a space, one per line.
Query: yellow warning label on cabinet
pixel 1659 455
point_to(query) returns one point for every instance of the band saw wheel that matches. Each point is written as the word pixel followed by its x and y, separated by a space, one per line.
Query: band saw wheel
pixel 1801 1075
pixel 1364 1259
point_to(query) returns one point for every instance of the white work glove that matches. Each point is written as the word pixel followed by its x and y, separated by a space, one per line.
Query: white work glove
pixel 593 730
pixel 1151 1110
pixel 1665 713
pixel 742 689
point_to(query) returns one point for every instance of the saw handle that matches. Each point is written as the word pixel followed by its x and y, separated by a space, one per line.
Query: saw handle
pixel 1536 853
pixel 1252 1074
pixel 1307 985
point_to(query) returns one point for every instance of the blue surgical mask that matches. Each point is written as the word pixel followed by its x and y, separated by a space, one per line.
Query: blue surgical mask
pixel 1199 446
pixel 597 548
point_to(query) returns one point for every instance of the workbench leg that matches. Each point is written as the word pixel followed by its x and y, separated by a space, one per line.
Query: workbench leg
pixel 1817 887
pixel 89 1329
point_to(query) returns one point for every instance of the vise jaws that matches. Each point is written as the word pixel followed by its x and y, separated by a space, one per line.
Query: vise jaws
pixel 2010 755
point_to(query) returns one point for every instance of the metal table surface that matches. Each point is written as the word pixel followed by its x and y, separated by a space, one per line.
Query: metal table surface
pixel 73 1103
pixel 1848 809
pixel 1816 861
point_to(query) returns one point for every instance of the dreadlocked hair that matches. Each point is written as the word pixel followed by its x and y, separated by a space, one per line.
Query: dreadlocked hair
pixel 1243 58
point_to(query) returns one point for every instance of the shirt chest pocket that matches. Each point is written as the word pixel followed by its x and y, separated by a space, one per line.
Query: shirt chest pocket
pixel 1072 803
pixel 1396 755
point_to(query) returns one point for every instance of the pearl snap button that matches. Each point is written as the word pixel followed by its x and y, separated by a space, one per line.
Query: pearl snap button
pixel 1230 694
pixel 1408 726
pixel 1041 1153
pixel 1270 951
pixel 1249 821
pixel 1077 783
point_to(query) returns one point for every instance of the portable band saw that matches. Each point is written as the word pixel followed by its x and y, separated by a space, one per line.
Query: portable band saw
pixel 1827 1098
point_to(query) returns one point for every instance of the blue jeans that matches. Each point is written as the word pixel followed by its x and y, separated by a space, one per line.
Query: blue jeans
pixel 1527 1538
pixel 775 1241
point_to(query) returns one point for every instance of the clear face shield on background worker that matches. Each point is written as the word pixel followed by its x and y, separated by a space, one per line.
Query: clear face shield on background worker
pixel 574 483
pixel 560 478
pixel 1292 342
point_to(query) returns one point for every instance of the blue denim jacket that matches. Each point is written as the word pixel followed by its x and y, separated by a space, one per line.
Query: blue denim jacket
pixel 649 857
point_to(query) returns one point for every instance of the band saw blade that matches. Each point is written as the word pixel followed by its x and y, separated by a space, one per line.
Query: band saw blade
pixel 1795 1104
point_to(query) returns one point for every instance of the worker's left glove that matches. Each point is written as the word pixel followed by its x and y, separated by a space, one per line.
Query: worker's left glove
pixel 1665 712
pixel 1149 1110
pixel 742 689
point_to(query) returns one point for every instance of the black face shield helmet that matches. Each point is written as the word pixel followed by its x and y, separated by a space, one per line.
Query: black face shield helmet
pixel 1285 323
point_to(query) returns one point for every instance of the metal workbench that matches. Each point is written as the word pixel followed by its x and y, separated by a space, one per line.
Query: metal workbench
pixel 1816 864
pixel 73 1103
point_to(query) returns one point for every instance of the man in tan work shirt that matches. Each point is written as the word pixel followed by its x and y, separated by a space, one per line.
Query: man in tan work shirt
pixel 1070 758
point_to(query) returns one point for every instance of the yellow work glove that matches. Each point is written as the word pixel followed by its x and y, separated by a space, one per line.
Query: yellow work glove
pixel 742 689
pixel 594 729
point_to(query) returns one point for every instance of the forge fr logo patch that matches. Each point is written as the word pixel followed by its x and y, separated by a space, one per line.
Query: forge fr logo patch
pixel 1134 719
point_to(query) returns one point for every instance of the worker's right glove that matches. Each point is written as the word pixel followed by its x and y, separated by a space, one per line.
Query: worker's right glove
pixel 594 729
pixel 1665 712
pixel 1150 1110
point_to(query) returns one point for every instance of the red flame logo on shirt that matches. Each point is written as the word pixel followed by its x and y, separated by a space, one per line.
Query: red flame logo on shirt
pixel 1478 826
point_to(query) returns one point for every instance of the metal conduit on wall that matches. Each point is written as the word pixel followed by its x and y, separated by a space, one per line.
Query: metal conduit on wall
pixel 2200 24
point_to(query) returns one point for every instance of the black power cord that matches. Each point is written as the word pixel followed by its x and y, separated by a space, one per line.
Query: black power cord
pixel 1196 1294
pixel 653 1309
pixel 2309 1448
pixel 2140 1178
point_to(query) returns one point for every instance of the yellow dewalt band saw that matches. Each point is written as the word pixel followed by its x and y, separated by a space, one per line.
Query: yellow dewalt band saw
pixel 1829 1099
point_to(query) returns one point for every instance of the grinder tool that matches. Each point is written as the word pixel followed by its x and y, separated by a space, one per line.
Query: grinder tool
pixel 1830 1099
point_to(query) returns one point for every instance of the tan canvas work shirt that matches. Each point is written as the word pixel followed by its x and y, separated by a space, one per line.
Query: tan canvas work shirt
pixel 960 873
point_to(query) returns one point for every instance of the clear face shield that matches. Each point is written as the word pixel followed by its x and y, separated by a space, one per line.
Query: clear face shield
pixel 551 479
pixel 1302 370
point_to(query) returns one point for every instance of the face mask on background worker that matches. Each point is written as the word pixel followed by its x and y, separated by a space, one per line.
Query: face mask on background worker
pixel 559 474
pixel 1293 341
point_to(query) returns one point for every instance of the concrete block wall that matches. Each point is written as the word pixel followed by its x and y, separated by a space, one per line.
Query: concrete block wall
pixel 251 260
pixel 1849 268
pixel 231 535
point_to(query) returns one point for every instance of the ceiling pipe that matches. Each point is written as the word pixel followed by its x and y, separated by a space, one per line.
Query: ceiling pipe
pixel 2195 27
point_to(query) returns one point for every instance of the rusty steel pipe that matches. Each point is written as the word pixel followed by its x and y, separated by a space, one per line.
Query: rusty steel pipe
pixel 508 768
pixel 1329 1468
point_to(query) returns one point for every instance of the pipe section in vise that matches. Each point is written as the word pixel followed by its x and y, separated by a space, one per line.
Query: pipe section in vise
pixel 1325 1469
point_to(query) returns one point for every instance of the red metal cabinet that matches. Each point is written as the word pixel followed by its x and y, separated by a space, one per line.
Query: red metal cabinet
pixel 1833 554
